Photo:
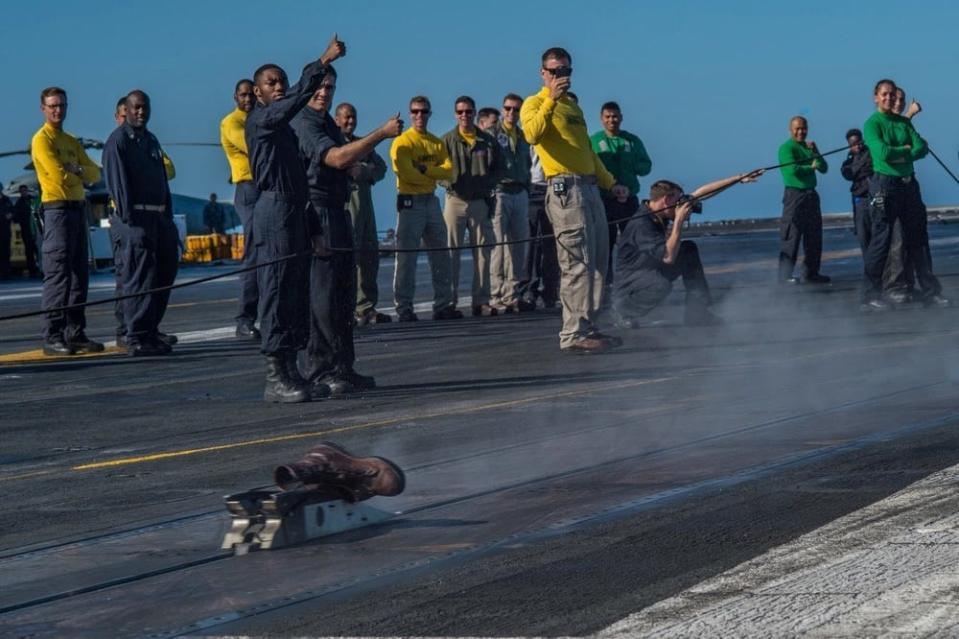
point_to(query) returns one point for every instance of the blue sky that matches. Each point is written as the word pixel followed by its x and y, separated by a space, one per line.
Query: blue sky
pixel 708 86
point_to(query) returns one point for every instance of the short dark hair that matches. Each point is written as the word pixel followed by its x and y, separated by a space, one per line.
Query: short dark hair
pixel 138 92
pixel 421 99
pixel 512 96
pixel 342 106
pixel 891 83
pixel 556 53
pixel 485 112
pixel 240 83
pixel 610 106
pixel 46 93
pixel 660 188
pixel 121 102
pixel 853 132
pixel 899 89
pixel 266 67
pixel 465 98
pixel 798 117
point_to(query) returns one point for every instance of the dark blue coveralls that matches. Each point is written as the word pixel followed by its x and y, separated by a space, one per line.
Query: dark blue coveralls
pixel 244 199
pixel 6 216
pixel 333 278
pixel 643 280
pixel 279 216
pixel 65 274
pixel 143 222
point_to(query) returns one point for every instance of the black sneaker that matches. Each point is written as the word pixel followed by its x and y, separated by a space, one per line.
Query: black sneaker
pixel 336 385
pixel 167 339
pixel 817 278
pixel 873 306
pixel 83 344
pixel 937 301
pixel 57 347
pixel 248 331
pixel 147 349
pixel 448 313
pixel 360 382
pixel 407 316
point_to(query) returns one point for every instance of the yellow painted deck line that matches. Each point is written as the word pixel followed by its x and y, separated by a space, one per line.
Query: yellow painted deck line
pixel 27 357
pixel 125 461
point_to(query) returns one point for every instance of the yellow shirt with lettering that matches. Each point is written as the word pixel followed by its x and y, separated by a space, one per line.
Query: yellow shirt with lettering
pixel 412 148
pixel 233 141
pixel 557 130
pixel 50 150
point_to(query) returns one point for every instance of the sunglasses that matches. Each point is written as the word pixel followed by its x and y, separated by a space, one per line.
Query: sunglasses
pixel 563 72
pixel 465 112
pixel 510 108
pixel 420 111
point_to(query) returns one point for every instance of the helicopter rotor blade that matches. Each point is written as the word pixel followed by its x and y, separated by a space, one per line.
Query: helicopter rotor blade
pixel 6 154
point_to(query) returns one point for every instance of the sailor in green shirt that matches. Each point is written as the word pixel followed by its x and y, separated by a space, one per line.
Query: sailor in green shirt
pixel 894 145
pixel 624 155
pixel 802 215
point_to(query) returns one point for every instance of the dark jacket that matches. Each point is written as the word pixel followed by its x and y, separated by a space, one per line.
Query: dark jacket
pixel 317 133
pixel 22 209
pixel 134 171
pixel 857 168
pixel 474 167
pixel 514 163
pixel 273 148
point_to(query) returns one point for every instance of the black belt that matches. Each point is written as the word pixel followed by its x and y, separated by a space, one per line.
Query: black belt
pixel 64 204
pixel 150 208
pixel 571 178
pixel 511 188
pixel 905 179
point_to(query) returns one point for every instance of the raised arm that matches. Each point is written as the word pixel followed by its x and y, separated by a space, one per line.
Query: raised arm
pixel 708 189
pixel 280 112
pixel 344 156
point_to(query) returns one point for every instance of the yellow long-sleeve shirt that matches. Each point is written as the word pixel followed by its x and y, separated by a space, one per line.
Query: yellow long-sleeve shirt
pixel 168 166
pixel 50 150
pixel 233 141
pixel 412 148
pixel 557 130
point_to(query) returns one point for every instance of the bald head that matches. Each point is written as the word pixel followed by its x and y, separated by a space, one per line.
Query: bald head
pixel 137 109
pixel 798 128
pixel 345 116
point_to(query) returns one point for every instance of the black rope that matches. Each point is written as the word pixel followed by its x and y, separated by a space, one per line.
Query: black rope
pixel 943 165
pixel 158 289
pixel 304 254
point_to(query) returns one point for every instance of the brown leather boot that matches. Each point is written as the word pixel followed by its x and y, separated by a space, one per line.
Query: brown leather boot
pixel 328 465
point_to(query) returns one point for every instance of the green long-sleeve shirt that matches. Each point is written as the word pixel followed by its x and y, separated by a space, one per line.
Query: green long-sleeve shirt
pixel 886 135
pixel 624 156
pixel 801 175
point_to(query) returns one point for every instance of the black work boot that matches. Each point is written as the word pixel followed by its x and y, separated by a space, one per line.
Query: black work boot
pixel 279 387
pixel 293 371
pixel 331 466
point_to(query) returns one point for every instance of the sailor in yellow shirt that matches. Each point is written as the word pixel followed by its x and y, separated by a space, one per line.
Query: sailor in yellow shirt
pixel 62 169
pixel 419 160
pixel 233 141
pixel 554 124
